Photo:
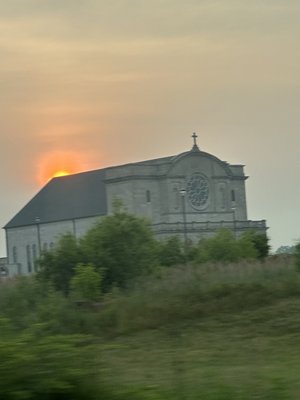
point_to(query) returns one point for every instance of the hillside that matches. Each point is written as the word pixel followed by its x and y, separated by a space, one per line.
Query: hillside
pixel 222 332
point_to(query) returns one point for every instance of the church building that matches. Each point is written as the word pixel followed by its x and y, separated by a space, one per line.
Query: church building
pixel 192 195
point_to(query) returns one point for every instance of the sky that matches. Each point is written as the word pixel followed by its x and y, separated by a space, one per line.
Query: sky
pixel 93 83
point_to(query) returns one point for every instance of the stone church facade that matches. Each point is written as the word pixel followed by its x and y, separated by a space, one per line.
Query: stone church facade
pixel 191 195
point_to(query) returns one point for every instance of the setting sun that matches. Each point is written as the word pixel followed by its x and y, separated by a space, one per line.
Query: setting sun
pixel 59 163
pixel 60 173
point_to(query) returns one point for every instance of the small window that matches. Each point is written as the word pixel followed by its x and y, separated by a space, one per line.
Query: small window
pixel 51 246
pixel 148 196
pixel 15 255
pixel 223 198
pixel 176 199
pixel 45 246
pixel 34 252
pixel 28 253
pixel 34 256
pixel 232 195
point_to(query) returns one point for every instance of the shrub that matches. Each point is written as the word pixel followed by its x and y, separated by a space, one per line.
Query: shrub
pixel 224 247
pixel 172 252
pixel 86 282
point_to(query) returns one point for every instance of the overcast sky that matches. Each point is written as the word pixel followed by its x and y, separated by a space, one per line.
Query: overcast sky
pixel 92 83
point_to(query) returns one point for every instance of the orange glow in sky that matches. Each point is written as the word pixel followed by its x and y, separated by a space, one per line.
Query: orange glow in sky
pixel 61 173
pixel 59 163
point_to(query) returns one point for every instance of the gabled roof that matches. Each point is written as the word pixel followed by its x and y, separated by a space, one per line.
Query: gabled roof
pixel 65 198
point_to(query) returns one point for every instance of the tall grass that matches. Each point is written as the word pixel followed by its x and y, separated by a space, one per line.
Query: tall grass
pixel 193 291
pixel 169 296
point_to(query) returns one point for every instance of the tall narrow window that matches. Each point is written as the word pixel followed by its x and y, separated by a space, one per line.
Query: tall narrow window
pixel 232 195
pixel 176 197
pixel 15 255
pixel 28 253
pixel 34 252
pixel 45 247
pixel 148 196
pixel 223 199
pixel 34 256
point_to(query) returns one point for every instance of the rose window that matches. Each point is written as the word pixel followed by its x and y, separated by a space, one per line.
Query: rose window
pixel 197 190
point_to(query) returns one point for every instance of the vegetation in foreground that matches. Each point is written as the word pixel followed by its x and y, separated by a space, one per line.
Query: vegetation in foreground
pixel 221 325
pixel 212 332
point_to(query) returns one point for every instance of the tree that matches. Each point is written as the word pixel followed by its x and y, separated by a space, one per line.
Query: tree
pixel 86 283
pixel 221 247
pixel 224 247
pixel 260 242
pixel 172 252
pixel 57 266
pixel 122 246
pixel 297 256
pixel 247 248
pixel 285 250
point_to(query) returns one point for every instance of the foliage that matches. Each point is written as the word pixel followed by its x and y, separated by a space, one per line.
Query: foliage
pixel 171 252
pixel 122 246
pixel 224 247
pixel 297 256
pixel 260 242
pixel 188 292
pixel 285 250
pixel 252 306
pixel 34 367
pixel 86 283
pixel 19 299
pixel 57 266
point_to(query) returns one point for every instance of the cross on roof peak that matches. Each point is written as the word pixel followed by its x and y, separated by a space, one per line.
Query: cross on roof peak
pixel 194 136
pixel 195 146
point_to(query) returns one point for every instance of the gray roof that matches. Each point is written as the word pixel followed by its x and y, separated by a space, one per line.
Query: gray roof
pixel 64 198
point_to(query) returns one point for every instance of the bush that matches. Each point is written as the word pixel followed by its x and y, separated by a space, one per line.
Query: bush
pixel 86 282
pixel 224 247
pixel 49 367
pixel 172 252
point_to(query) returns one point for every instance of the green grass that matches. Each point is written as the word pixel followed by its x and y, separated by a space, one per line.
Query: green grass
pixel 220 332
pixel 245 355
pixel 213 332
